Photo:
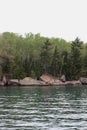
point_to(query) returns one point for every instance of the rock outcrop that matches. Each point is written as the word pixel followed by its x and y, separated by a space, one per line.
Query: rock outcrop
pixel 51 80
pixel 57 82
pixel 47 78
pixel 73 83
pixel 63 78
pixel 83 80
pixel 13 82
pixel 31 82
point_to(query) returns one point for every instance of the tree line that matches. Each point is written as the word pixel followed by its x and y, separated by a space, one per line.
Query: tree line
pixel 32 55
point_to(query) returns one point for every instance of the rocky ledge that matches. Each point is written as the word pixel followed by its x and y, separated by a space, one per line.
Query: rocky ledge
pixel 45 80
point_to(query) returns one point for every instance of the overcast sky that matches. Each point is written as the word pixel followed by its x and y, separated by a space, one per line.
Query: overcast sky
pixel 53 18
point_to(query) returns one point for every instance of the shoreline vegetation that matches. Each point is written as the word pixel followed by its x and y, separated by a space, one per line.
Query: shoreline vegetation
pixel 36 60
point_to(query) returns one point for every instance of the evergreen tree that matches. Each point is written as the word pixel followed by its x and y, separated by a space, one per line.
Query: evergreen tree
pixel 45 56
pixel 65 66
pixel 56 63
pixel 76 61
pixel 84 70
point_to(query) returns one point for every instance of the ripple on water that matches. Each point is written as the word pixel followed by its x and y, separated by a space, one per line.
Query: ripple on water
pixel 43 108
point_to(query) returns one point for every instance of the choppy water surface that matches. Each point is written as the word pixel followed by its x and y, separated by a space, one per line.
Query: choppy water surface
pixel 42 108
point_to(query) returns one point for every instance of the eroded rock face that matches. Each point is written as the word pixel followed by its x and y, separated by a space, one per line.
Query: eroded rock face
pixel 83 80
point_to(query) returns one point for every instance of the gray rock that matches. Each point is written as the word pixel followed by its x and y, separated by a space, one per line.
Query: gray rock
pixel 47 78
pixel 51 80
pixel 31 82
pixel 83 80
pixel 13 82
pixel 73 83
pixel 63 78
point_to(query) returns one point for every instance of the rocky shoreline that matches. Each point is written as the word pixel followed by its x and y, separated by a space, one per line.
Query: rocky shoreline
pixel 45 80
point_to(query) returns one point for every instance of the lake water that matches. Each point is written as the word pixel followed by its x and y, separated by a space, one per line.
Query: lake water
pixel 43 108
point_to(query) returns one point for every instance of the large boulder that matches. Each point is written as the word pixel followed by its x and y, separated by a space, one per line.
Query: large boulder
pixel 83 80
pixel 51 80
pixel 13 82
pixel 47 78
pixel 63 78
pixel 31 82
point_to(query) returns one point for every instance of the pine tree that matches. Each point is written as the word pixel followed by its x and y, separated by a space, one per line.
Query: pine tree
pixel 76 61
pixel 56 63
pixel 45 56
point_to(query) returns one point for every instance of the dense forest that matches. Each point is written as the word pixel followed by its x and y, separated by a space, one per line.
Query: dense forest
pixel 32 55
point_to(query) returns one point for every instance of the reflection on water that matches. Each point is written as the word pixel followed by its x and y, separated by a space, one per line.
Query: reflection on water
pixel 43 108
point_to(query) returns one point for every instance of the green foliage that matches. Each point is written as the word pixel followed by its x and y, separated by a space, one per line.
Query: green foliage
pixel 16 69
pixel 32 55
pixel 76 61
pixel 33 75
pixel 45 56
pixel 1 71
pixel 56 62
